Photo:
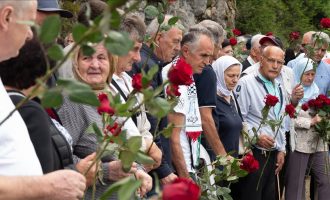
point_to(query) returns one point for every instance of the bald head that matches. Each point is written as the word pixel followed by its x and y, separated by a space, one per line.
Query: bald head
pixel 307 37
pixel 271 62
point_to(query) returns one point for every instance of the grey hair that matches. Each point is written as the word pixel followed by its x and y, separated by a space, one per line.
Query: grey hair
pixel 214 27
pixel 134 26
pixel 322 35
pixel 20 5
pixel 153 26
pixel 192 37
pixel 255 39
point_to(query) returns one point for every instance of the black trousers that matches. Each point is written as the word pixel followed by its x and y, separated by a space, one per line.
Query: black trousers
pixel 266 189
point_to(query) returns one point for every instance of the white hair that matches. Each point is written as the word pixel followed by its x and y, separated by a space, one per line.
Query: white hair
pixel 20 5
pixel 255 39
pixel 322 35
pixel 153 26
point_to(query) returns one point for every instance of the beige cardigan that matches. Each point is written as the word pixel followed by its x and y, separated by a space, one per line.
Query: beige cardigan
pixel 305 138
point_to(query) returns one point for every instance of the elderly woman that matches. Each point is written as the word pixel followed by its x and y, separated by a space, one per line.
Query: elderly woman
pixel 227 49
pixel 227 114
pixel 95 71
pixel 309 150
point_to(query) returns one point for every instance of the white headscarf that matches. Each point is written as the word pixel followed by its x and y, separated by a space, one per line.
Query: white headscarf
pixel 219 67
pixel 312 91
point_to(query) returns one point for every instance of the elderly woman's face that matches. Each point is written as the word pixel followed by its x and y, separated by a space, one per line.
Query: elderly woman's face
pixel 231 75
pixel 308 78
pixel 94 69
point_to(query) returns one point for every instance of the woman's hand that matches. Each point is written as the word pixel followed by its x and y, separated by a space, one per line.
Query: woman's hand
pixel 316 119
pixel 116 170
pixel 84 164
pixel 146 182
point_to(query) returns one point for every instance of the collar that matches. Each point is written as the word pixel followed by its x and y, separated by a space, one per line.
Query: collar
pixel 251 61
pixel 148 51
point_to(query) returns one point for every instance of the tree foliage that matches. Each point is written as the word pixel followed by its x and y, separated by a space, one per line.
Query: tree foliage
pixel 280 16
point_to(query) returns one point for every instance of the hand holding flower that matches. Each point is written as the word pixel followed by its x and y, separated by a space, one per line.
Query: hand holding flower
pixel 265 141
pixel 279 162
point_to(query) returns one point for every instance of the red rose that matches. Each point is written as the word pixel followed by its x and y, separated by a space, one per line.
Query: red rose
pixel 181 189
pixel 112 129
pixel 269 33
pixel 173 90
pixel 311 103
pixel 232 41
pixel 194 135
pixel 249 163
pixel 304 107
pixel 104 105
pixel 318 103
pixel 294 35
pixel 171 1
pixel 327 102
pixel 325 22
pixel 236 32
pixel 322 97
pixel 271 100
pixel 180 73
pixel 137 81
pixel 290 110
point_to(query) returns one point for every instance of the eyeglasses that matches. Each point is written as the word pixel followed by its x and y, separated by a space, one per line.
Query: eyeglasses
pixel 273 61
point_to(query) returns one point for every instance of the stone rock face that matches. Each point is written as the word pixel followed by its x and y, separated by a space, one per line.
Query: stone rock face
pixel 193 11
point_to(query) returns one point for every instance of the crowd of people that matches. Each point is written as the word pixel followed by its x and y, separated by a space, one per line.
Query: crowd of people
pixel 52 147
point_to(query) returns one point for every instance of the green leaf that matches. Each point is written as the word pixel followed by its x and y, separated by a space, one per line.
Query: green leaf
pixel 78 32
pixel 134 143
pixel 159 107
pixel 79 92
pixel 167 132
pixel 151 11
pixel 144 159
pixel 93 128
pixel 232 178
pixel 115 19
pixel 161 18
pixel 52 98
pixel 115 187
pixel 87 50
pixel 173 20
pixel 127 158
pixel 118 43
pixel 126 192
pixel 95 37
pixel 50 29
pixel 55 52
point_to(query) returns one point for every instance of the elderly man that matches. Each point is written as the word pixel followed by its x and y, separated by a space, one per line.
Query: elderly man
pixel 322 77
pixel 17 155
pixel 206 92
pixel 196 50
pixel 260 84
pixel 166 48
pixel 255 54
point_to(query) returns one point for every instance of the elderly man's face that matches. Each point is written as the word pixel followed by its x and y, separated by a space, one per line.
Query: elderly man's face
pixel 125 63
pixel 271 62
pixel 18 30
pixel 319 51
pixel 169 44
pixel 200 55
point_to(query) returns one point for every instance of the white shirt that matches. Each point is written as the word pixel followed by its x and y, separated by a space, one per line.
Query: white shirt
pixel 17 154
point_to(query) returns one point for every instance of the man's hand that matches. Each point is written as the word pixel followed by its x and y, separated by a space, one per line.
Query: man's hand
pixel 116 170
pixel 155 153
pixel 279 161
pixel 146 182
pixel 84 164
pixel 64 185
pixel 316 119
pixel 297 94
pixel 265 141
pixel 168 179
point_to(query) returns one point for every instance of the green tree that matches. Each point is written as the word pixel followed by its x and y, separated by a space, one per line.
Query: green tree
pixel 280 16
